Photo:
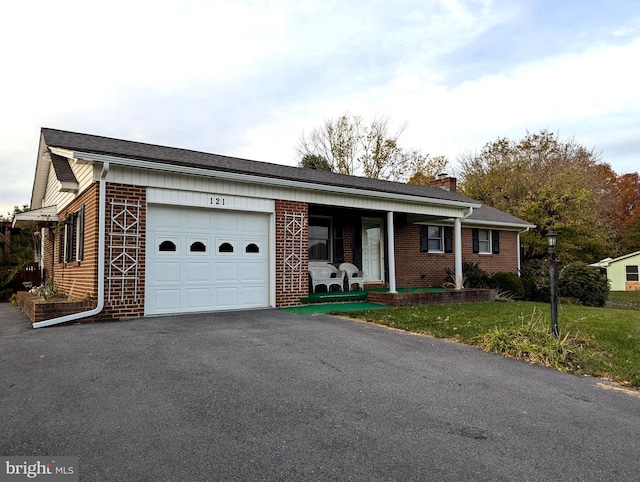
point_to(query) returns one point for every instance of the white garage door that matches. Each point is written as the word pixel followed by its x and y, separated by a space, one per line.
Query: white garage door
pixel 205 260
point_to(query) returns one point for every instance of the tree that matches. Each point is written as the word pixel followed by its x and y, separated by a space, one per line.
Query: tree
pixel 349 145
pixel 622 212
pixel 552 183
pixel 23 248
pixel 314 161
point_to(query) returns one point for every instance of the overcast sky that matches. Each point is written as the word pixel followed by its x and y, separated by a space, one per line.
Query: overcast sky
pixel 246 78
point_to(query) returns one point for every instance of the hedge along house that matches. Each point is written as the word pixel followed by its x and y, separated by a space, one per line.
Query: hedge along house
pixel 142 229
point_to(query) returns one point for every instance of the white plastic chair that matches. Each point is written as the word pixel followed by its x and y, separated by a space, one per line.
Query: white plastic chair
pixel 354 275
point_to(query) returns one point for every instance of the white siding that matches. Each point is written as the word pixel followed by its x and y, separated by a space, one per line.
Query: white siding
pixel 53 196
pixel 210 186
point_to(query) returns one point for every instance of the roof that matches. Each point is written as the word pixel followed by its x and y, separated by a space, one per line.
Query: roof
pixel 189 158
pixel 623 257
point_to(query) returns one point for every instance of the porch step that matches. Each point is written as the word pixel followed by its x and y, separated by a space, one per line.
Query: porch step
pixel 334 297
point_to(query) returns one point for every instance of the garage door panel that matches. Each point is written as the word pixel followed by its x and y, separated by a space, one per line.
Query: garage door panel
pixel 167 300
pixel 226 297
pixel 257 293
pixel 167 272
pixel 198 271
pixel 198 299
pixel 252 272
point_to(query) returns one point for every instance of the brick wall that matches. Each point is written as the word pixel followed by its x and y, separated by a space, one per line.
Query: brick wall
pixel 417 269
pixel 78 279
pixel 125 298
pixel 291 283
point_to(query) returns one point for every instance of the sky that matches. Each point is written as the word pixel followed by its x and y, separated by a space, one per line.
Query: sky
pixel 247 78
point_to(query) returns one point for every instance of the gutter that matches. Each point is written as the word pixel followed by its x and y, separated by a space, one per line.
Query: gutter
pixel 102 202
pixel 520 248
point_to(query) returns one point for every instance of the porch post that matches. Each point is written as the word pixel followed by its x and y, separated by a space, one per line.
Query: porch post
pixel 457 236
pixel 391 253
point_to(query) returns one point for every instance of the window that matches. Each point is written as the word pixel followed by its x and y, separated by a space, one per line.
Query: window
pixel 319 239
pixel 71 239
pixel 225 248
pixel 486 241
pixel 198 247
pixel 252 248
pixel 436 239
pixel 167 246
pixel 632 273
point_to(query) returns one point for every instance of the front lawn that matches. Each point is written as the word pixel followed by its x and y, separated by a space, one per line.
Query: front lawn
pixel 601 342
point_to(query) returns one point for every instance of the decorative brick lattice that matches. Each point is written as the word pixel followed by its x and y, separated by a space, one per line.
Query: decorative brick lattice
pixel 124 248
pixel 294 252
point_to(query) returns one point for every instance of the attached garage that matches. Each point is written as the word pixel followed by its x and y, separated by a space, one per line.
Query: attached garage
pixel 205 260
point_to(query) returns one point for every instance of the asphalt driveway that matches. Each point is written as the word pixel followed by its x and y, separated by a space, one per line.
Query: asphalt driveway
pixel 268 395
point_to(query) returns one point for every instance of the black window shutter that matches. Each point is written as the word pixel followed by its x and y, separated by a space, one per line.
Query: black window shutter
pixel 448 239
pixel 61 244
pixel 424 238
pixel 80 239
pixel 338 242
pixel 495 241
pixel 71 237
pixel 476 240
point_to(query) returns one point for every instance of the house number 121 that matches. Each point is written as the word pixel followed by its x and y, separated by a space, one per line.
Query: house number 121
pixel 217 201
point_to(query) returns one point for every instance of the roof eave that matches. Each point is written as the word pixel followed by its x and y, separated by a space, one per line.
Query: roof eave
pixel 85 157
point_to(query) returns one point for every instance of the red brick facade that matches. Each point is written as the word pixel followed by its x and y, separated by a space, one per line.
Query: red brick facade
pixel 420 269
pixel 124 281
pixel 292 257
pixel 78 279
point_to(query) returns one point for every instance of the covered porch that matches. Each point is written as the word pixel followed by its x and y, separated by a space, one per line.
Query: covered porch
pixel 382 243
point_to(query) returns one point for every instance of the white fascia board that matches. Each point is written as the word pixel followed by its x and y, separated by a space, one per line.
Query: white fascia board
pixel 232 176
pixel 46 214
pixel 480 224
pixel 69 186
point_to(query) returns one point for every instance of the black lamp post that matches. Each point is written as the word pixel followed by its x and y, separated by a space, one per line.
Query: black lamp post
pixel 552 237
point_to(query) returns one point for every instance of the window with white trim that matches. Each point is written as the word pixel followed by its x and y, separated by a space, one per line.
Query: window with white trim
pixel 319 238
pixel 632 273
pixel 71 238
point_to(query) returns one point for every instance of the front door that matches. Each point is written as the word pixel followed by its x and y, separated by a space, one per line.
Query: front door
pixel 373 249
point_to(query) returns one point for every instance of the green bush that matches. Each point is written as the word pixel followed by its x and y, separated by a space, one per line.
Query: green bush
pixel 583 282
pixel 508 283
pixel 534 275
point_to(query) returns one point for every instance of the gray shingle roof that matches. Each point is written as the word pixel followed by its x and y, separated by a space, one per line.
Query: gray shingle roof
pixel 189 158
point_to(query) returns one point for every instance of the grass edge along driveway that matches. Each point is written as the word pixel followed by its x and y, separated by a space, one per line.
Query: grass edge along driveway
pixel 600 342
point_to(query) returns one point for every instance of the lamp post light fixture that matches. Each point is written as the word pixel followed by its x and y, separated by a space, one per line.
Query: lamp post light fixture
pixel 552 237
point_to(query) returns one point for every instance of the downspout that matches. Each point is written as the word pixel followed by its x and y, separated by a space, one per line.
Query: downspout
pixel 520 248
pixel 457 257
pixel 102 202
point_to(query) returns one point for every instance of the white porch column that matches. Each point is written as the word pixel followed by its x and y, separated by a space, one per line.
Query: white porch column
pixel 391 257
pixel 457 236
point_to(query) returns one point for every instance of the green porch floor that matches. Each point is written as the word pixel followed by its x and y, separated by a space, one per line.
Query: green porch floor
pixel 336 301
pixel 324 308
pixel 361 295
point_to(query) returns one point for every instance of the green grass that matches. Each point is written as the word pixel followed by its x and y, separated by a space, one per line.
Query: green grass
pixel 629 300
pixel 601 342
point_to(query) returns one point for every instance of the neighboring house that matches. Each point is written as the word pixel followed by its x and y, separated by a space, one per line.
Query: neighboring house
pixel 146 230
pixel 623 272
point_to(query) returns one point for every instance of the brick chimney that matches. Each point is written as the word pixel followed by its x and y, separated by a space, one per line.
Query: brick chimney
pixel 444 181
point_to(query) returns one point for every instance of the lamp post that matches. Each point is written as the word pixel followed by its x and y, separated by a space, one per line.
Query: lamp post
pixel 552 237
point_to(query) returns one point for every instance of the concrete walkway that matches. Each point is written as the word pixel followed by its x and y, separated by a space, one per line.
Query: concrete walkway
pixel 268 395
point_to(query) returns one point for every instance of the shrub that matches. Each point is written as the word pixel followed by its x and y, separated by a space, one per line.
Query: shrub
pixel 508 282
pixel 583 282
pixel 474 276
pixel 534 275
